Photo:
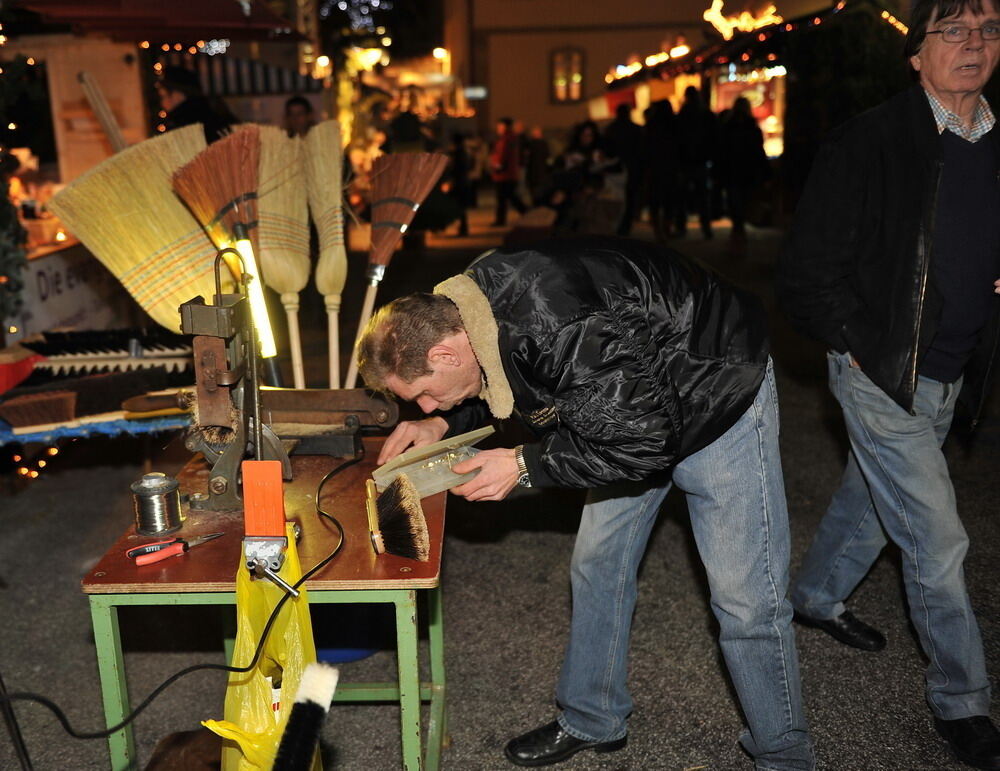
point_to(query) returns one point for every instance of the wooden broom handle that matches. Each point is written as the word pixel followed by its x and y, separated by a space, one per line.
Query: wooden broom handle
pixel 366 314
pixel 371 507
pixel 291 302
pixel 333 337
pixel 99 105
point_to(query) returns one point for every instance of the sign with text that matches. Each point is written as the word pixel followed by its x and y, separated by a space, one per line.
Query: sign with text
pixel 70 290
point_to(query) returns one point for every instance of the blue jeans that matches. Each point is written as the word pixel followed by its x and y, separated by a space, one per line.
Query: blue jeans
pixel 897 482
pixel 736 499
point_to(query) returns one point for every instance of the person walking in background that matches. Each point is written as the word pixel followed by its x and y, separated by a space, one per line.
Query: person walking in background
pixel 536 171
pixel 696 147
pixel 479 159
pixel 577 177
pixel 406 133
pixel 505 168
pixel 590 340
pixel 743 166
pixel 893 261
pixel 299 116
pixel 660 152
pixel 623 142
pixel 457 179
pixel 181 97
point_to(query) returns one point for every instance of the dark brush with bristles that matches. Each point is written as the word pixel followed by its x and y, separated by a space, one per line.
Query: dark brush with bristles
pixel 401 520
pixel 305 720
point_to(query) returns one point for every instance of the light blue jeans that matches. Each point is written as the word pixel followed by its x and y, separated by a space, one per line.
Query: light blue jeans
pixel 736 499
pixel 897 482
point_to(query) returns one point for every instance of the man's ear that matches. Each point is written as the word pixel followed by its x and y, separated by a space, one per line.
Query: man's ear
pixel 915 62
pixel 443 355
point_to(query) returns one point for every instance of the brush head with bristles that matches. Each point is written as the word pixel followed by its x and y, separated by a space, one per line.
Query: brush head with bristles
pixel 400 183
pixel 318 684
pixel 219 185
pixel 324 166
pixel 126 214
pixel 283 216
pixel 401 521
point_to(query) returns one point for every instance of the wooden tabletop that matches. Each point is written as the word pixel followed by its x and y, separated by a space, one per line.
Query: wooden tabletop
pixel 212 566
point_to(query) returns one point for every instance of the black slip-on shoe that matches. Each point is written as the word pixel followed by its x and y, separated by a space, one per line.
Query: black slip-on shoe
pixel 551 744
pixel 974 740
pixel 847 629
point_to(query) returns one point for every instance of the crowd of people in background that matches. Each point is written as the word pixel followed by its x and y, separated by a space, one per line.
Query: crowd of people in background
pixel 602 179
pixel 675 165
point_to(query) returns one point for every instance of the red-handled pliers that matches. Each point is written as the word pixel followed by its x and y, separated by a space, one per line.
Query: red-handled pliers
pixel 154 552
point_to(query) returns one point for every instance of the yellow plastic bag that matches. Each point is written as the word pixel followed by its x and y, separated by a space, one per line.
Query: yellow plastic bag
pixel 252 729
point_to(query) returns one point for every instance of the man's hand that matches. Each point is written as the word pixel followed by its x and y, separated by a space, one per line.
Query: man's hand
pixel 412 433
pixel 496 478
pixel 996 286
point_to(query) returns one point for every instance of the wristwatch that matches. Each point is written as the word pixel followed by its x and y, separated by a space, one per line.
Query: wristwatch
pixel 522 469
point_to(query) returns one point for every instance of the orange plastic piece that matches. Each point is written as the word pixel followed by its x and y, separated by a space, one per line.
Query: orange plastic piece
pixel 263 499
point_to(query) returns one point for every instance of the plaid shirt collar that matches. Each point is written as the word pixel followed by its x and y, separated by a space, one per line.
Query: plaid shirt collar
pixel 982 119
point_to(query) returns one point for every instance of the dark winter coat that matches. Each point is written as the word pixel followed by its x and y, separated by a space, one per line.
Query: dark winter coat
pixel 623 356
pixel 855 270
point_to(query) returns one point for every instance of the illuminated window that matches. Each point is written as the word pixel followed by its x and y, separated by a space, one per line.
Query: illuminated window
pixel 567 75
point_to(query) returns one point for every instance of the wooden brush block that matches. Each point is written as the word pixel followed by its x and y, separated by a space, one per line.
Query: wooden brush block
pixel 263 499
pixel 39 408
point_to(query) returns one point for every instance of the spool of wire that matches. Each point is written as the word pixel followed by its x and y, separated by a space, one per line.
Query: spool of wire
pixel 157 502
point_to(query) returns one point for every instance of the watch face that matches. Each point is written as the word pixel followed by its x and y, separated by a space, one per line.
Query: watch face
pixel 524 480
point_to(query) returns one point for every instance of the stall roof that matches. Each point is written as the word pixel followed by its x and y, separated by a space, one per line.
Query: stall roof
pixel 156 20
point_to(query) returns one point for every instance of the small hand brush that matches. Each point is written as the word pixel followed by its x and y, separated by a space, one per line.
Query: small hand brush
pixel 396 520
pixel 305 721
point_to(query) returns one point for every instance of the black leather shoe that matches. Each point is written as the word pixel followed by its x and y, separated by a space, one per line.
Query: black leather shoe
pixel 551 744
pixel 847 629
pixel 974 740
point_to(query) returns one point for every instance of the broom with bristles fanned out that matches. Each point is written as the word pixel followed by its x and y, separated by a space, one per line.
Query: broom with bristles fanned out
pixel 126 214
pixel 283 230
pixel 396 520
pixel 400 183
pixel 324 167
pixel 219 186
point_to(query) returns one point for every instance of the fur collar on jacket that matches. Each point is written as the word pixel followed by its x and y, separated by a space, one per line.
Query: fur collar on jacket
pixel 481 326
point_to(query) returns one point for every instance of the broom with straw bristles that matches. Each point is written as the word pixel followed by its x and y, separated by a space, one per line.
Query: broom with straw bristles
pixel 400 183
pixel 126 214
pixel 283 230
pixel 324 167
pixel 219 186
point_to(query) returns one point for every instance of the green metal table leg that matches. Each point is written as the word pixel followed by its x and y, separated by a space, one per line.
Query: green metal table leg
pixel 114 689
pixel 437 729
pixel 409 678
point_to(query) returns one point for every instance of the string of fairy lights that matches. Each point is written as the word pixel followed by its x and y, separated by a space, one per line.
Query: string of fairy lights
pixel 32 469
pixel 769 23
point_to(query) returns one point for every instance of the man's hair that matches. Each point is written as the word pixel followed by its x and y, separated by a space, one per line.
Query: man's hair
pixel 923 12
pixel 182 80
pixel 400 334
pixel 299 100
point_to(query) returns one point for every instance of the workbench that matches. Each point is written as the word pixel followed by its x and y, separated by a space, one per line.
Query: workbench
pixel 206 576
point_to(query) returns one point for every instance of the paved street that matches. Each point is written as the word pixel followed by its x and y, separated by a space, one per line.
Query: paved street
pixel 506 594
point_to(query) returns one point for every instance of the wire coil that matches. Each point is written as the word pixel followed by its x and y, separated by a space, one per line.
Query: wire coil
pixel 157 503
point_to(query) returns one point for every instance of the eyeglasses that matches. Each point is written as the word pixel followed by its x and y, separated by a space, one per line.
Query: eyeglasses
pixel 957 34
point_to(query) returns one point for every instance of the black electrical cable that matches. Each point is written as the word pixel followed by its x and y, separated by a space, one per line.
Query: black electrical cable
pixel 14 730
pixel 61 716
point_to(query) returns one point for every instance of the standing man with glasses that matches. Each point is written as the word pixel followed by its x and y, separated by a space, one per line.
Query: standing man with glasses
pixel 893 262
